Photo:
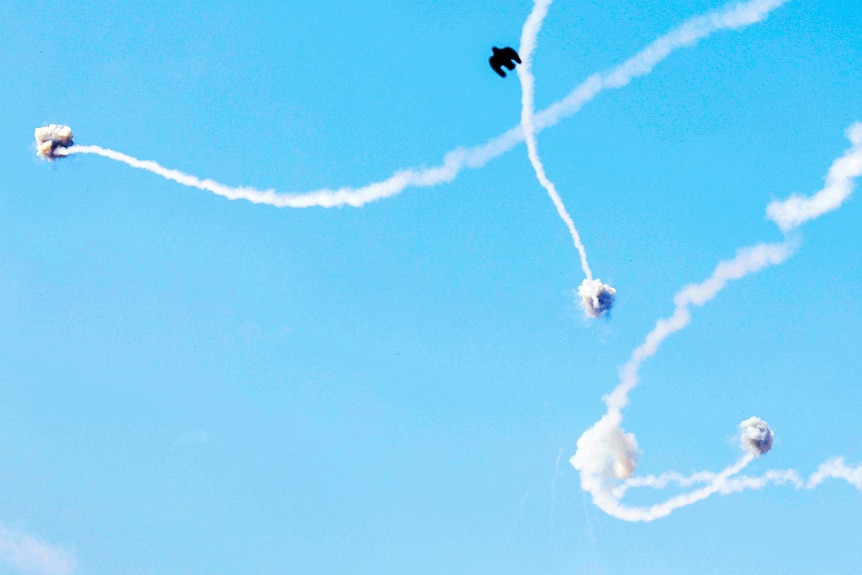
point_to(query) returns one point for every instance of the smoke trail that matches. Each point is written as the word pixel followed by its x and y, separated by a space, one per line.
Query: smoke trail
pixel 747 261
pixel 607 455
pixel 732 16
pixel 796 210
pixel 528 128
pixel 833 468
pixel 596 298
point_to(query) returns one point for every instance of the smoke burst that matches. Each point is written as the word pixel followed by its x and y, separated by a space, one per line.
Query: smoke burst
pixel 756 436
pixel 52 141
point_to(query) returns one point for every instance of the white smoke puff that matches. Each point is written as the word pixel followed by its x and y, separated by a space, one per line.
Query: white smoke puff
pixel 605 453
pixel 51 138
pixel 756 436
pixel 597 298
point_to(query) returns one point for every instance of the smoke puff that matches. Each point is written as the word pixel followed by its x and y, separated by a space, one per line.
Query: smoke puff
pixel 597 298
pixel 51 138
pixel 756 435
pixel 606 452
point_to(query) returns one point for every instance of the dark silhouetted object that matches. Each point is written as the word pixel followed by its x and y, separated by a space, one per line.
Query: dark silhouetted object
pixel 504 58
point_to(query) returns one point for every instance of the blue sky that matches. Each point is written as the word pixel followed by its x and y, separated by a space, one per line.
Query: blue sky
pixel 195 385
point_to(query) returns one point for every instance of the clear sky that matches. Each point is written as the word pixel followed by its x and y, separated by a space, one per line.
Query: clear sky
pixel 193 385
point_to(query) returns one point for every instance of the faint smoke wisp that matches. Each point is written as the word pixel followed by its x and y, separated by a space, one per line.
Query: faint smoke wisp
pixel 756 436
pixel 730 17
pixel 26 554
pixel 597 298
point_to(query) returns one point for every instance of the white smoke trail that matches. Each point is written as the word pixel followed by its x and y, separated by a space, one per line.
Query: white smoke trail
pixel 606 455
pixel 747 261
pixel 730 17
pixel 596 297
pixel 528 128
pixel 796 210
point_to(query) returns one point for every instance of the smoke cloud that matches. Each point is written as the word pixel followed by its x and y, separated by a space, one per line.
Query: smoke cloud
pixel 51 141
pixel 597 298
pixel 756 436
pixel 733 16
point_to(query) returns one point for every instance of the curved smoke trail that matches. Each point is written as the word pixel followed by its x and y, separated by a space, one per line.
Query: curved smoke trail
pixel 607 455
pixel 732 16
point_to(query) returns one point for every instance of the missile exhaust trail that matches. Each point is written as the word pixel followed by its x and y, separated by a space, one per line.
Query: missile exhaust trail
pixel 732 16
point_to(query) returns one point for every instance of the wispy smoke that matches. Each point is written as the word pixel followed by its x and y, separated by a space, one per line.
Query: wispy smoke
pixel 798 209
pixel 606 454
pixel 51 140
pixel 24 553
pixel 732 16
pixel 597 298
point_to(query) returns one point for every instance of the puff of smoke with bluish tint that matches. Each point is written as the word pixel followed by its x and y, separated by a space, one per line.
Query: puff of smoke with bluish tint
pixel 756 436
pixel 597 298
pixel 51 138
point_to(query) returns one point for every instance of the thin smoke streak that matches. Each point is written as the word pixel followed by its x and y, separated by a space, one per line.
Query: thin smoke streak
pixel 730 17
pixel 528 128
pixel 554 479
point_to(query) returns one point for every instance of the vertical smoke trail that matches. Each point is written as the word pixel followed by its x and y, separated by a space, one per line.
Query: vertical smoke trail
pixel 606 455
pixel 833 468
pixel 730 17
pixel 596 298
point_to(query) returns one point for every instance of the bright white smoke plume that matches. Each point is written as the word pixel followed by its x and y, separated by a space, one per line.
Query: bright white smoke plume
pixel 731 17
pixel 607 455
